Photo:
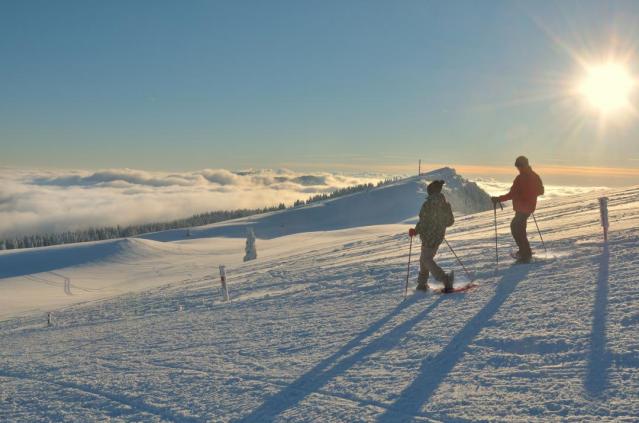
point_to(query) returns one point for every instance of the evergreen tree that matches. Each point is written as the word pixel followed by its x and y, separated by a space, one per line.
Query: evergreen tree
pixel 251 252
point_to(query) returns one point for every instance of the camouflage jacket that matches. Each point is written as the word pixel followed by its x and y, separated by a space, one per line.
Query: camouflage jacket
pixel 434 217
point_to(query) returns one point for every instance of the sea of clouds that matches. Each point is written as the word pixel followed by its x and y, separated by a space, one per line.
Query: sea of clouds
pixel 495 187
pixel 45 201
pixel 42 201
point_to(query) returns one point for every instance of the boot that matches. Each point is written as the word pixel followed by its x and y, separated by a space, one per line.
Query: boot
pixel 422 286
pixel 422 281
pixel 448 281
pixel 521 257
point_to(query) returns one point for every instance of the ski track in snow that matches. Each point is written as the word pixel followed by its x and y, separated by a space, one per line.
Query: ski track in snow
pixel 321 333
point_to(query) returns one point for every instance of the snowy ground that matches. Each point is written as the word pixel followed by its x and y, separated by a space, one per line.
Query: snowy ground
pixel 317 329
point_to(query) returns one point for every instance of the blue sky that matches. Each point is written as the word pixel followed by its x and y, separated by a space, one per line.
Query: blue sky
pixel 306 84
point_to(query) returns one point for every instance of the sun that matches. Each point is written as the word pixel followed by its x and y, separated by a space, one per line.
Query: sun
pixel 607 88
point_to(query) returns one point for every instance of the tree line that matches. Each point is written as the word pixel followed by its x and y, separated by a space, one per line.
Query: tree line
pixel 340 192
pixel 111 232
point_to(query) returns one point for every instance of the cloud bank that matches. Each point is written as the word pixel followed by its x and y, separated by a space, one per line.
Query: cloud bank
pixel 494 188
pixel 37 201
pixel 44 201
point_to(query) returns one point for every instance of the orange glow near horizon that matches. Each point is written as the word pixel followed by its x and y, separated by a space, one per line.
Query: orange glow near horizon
pixel 553 170
pixel 475 170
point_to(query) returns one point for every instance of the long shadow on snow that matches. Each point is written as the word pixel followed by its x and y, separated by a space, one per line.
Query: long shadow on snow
pixel 599 359
pixel 332 366
pixel 433 371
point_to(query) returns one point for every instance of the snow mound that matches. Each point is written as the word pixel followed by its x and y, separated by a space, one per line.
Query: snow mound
pixel 51 277
pixel 398 202
pixel 15 263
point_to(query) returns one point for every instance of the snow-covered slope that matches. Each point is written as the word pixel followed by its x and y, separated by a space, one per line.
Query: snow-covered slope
pixel 317 329
pixel 42 279
pixel 394 203
pixel 32 279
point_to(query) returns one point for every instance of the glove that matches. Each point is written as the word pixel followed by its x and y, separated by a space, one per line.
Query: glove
pixel 412 232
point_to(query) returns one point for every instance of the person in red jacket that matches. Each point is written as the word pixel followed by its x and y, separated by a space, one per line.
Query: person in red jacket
pixel 524 192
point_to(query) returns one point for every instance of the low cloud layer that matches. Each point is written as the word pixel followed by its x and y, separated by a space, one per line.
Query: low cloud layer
pixel 36 201
pixel 494 188
pixel 42 201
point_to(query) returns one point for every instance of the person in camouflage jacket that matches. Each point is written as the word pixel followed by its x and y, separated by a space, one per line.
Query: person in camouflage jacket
pixel 434 217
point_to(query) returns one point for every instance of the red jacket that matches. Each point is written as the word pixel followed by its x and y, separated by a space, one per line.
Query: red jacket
pixel 524 192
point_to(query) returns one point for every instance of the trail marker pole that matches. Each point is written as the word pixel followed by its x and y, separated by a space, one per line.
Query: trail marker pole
pixel 225 289
pixel 603 210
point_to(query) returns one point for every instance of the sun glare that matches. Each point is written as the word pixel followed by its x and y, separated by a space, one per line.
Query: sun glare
pixel 607 87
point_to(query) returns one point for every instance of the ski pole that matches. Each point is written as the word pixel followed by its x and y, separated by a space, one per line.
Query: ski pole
pixel 496 247
pixel 539 231
pixel 460 262
pixel 410 250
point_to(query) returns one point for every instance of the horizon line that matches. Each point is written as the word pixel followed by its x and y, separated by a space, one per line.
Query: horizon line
pixel 396 168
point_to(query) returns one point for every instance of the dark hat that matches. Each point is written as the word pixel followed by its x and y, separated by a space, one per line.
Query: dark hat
pixel 522 161
pixel 435 187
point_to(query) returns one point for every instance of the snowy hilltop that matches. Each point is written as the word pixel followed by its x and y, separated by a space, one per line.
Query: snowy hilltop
pixel 317 329
pixel 465 196
pixel 397 202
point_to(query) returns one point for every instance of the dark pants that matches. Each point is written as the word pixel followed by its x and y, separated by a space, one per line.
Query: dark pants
pixel 518 229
